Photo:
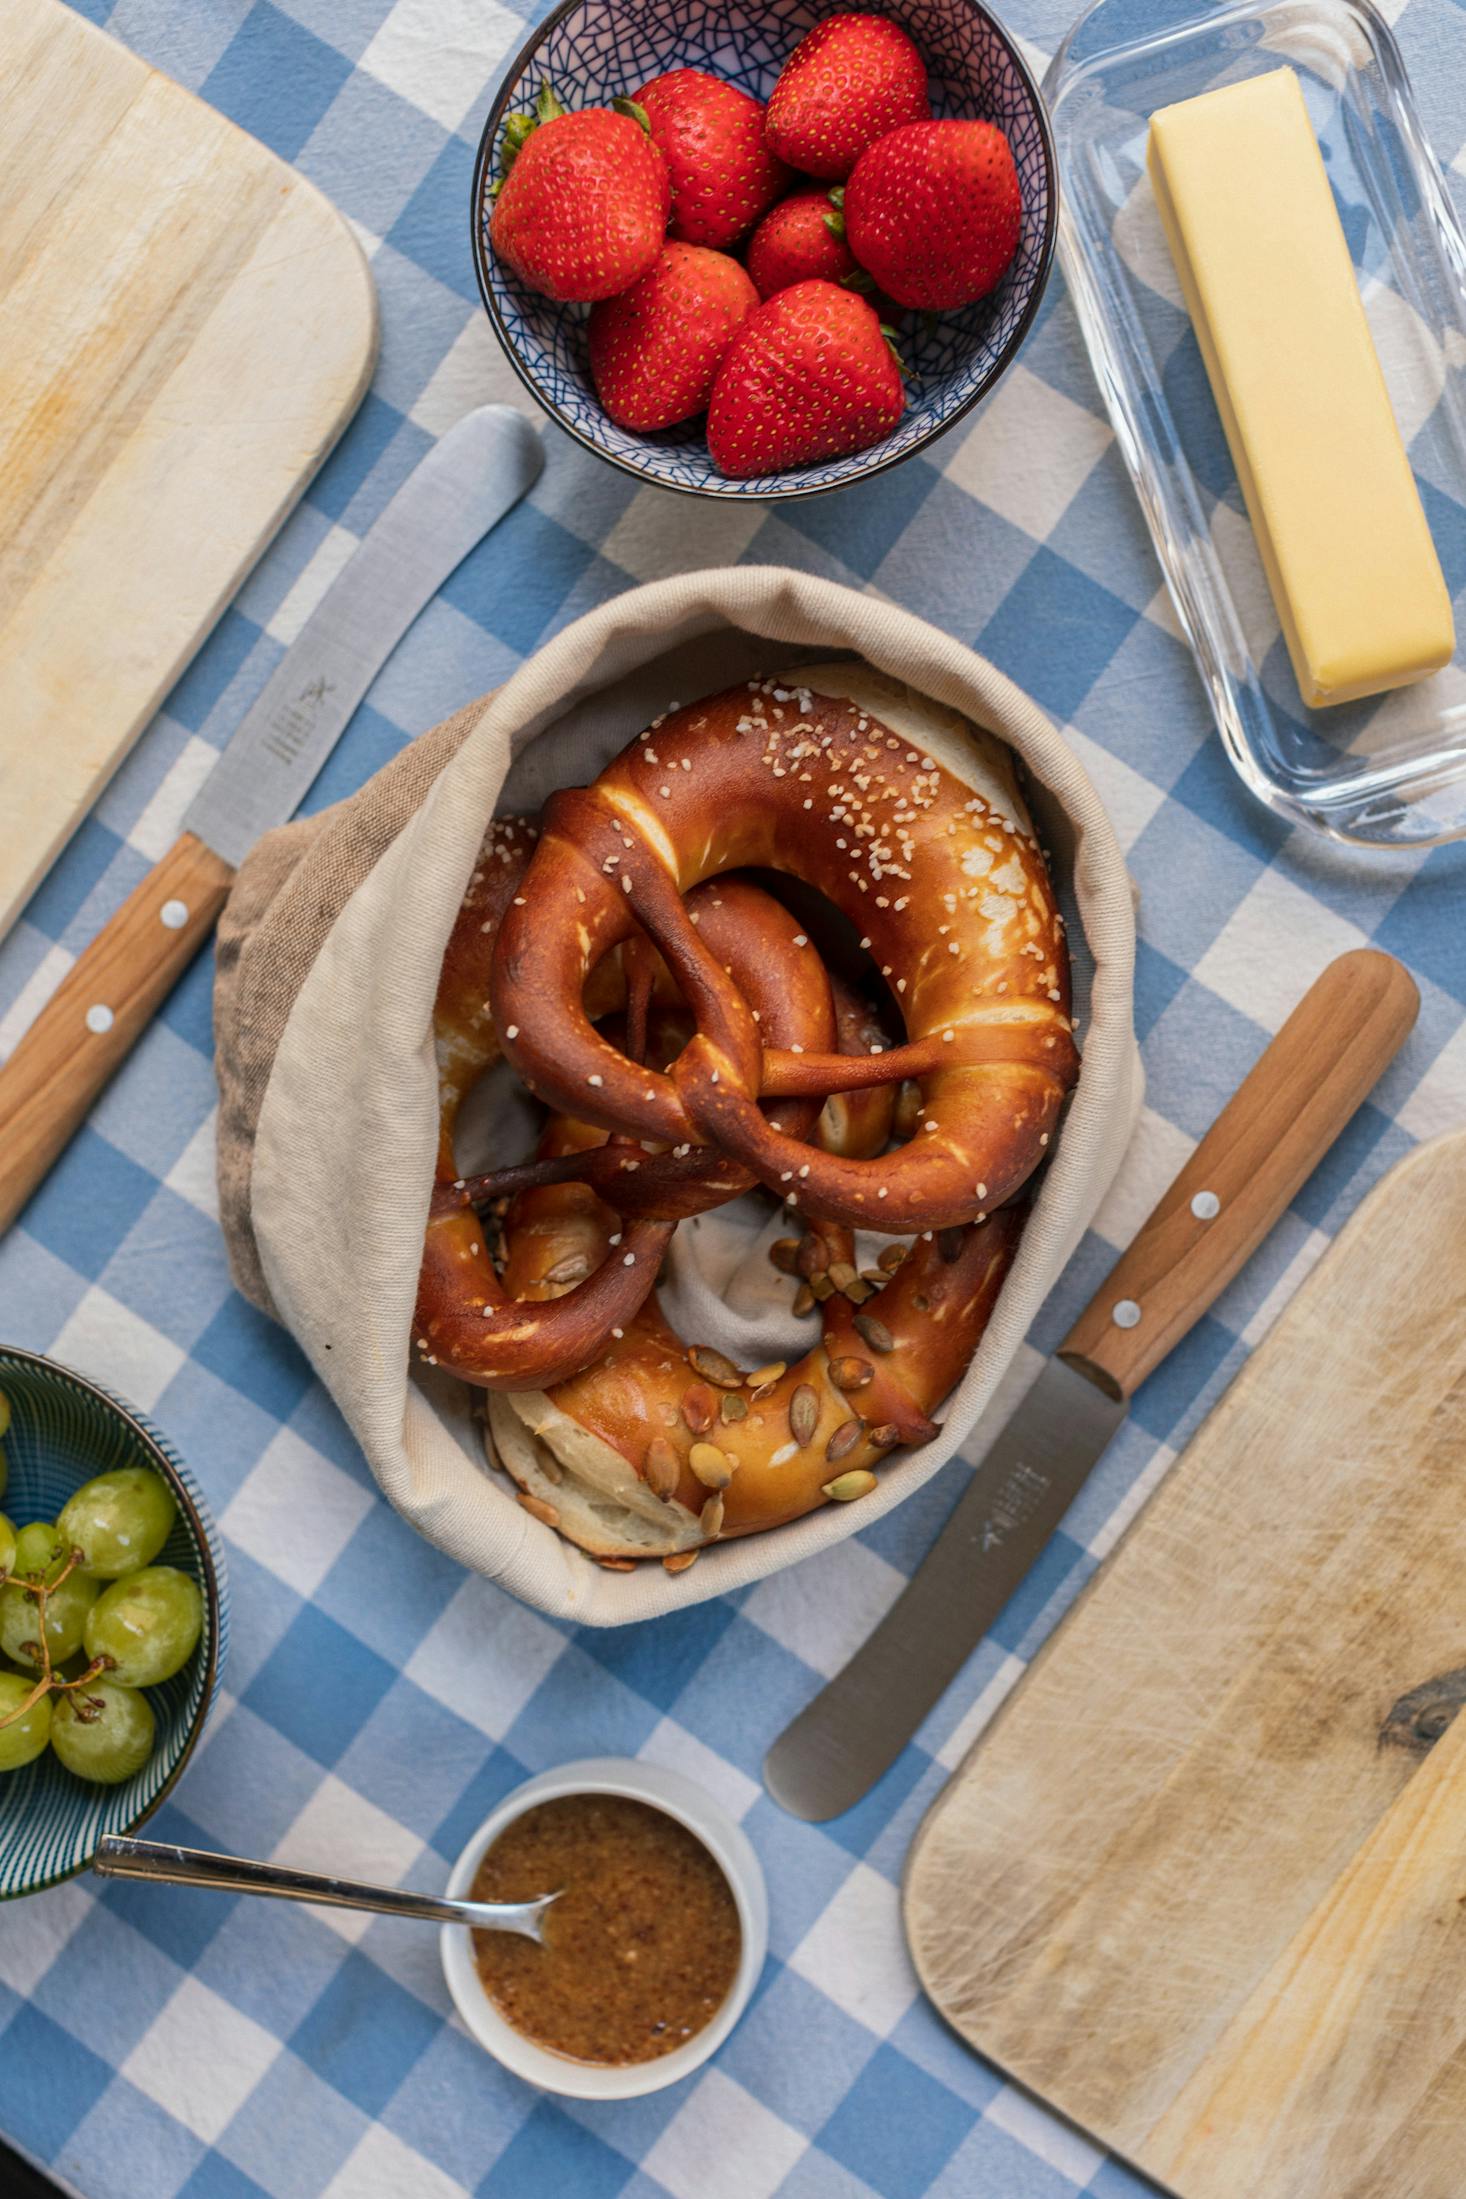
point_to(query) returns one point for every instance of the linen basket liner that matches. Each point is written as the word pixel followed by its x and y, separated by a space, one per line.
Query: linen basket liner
pixel 328 960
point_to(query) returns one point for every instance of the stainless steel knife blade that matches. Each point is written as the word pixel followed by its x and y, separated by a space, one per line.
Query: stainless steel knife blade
pixel 857 1726
pixel 465 484
pixel 1267 1140
pixel 478 471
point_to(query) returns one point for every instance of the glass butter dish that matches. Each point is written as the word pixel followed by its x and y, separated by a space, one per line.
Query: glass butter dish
pixel 1389 771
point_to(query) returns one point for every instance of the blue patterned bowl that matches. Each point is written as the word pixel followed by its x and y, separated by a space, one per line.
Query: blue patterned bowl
pixel 592 50
pixel 64 1429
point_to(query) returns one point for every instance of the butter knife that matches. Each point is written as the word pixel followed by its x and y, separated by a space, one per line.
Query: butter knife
pixel 470 478
pixel 1260 1150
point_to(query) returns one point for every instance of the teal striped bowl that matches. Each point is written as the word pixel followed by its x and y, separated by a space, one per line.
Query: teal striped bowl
pixel 64 1429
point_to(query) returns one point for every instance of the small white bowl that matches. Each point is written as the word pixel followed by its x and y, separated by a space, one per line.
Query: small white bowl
pixel 729 1847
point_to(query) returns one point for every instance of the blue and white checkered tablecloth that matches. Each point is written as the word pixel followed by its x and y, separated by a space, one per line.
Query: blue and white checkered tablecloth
pixel 378 1701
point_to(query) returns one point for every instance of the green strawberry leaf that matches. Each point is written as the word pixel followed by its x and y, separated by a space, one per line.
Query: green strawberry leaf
pixel 901 367
pixel 858 281
pixel 835 223
pixel 837 198
pixel 518 129
pixel 633 113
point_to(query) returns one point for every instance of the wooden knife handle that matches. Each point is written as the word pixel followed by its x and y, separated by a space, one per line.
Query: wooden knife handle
pixel 1262 1147
pixel 100 1008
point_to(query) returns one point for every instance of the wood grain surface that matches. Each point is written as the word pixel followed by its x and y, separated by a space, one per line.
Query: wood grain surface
pixel 1263 1146
pixel 1202 1885
pixel 185 326
pixel 99 1011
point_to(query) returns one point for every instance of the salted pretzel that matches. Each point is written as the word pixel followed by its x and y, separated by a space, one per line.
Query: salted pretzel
pixel 659 1448
pixel 689 1179
pixel 466 1319
pixel 907 819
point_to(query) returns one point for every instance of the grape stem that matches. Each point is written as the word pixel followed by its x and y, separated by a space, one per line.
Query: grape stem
pixel 36 1584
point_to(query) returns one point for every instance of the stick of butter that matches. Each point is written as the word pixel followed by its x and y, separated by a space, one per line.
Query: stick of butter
pixel 1267 277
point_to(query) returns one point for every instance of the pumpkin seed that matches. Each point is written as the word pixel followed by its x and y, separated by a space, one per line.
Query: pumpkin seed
pixel 822 1287
pixel 803 1300
pixel 713 1468
pixel 733 1405
pixel 618 1565
pixel 804 1414
pixel 765 1389
pixel 661 1469
pixel 677 1561
pixel 538 1509
pixel 848 1373
pixel 845 1488
pixel 813 1257
pixel 842 1274
pixel 875 1332
pixel 949 1244
pixel 574 1268
pixel 857 1290
pixel 884 1436
pixel 890 1257
pixel 784 1252
pixel 715 1368
pixel 697 1408
pixel 875 1276
pixel 762 1377
pixel 844 1439
pixel 710 1519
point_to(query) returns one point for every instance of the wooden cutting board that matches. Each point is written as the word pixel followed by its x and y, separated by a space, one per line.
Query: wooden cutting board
pixel 1202 1884
pixel 185 327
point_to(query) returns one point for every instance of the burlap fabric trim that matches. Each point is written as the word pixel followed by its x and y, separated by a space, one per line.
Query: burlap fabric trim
pixel 327 966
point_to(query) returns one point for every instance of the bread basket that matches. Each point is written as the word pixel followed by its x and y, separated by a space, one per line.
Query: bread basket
pixel 328 961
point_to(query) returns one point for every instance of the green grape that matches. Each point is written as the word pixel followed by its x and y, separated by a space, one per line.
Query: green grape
pixel 66 1612
pixel 7 1544
pixel 39 1551
pixel 29 1735
pixel 4 1414
pixel 120 1521
pixel 148 1624
pixel 103 1732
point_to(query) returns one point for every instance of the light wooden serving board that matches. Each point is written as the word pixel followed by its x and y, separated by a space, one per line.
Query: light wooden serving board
pixel 1202 1884
pixel 185 327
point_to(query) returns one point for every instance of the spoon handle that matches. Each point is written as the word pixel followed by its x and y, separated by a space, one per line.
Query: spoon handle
pixel 235 1874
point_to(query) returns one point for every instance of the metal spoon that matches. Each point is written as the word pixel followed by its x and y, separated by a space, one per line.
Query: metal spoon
pixel 236 1874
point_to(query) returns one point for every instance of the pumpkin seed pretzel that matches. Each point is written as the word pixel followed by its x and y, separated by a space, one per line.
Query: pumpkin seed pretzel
pixel 659 1448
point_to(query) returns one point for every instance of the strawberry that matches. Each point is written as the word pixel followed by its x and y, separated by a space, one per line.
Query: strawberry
pixel 712 138
pixel 933 212
pixel 655 350
pixel 849 81
pixel 801 238
pixel 810 375
pixel 582 209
